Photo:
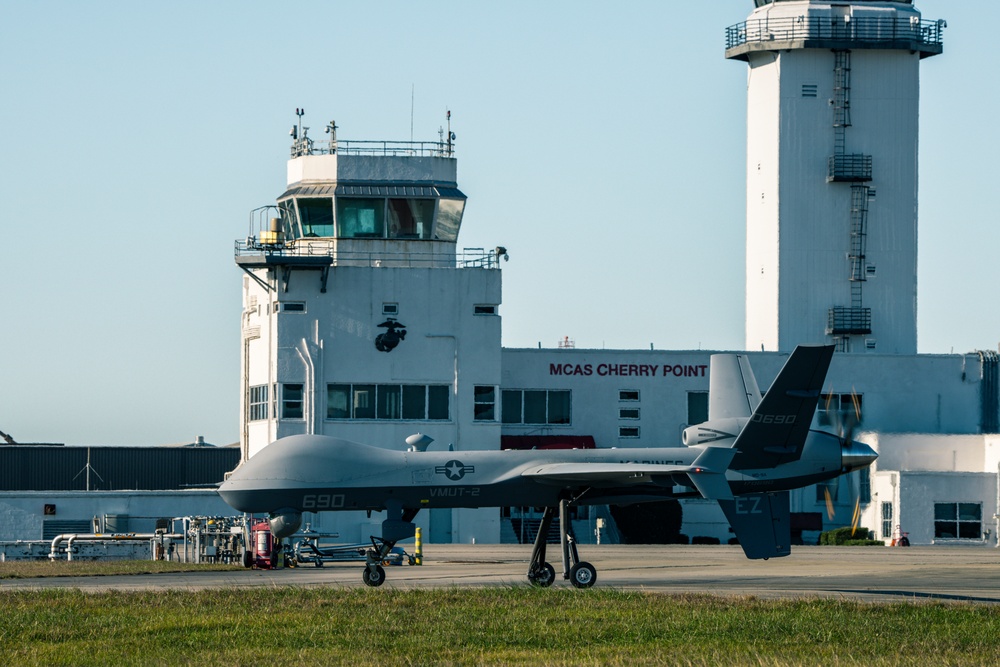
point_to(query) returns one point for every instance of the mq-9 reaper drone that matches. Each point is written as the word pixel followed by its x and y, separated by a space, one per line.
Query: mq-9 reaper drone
pixel 747 457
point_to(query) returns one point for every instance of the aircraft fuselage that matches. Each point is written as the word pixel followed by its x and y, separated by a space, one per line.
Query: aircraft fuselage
pixel 315 473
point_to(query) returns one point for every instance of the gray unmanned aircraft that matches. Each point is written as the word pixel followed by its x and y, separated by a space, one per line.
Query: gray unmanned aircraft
pixel 747 457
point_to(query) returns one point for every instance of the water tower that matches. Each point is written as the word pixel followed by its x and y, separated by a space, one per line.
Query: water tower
pixel 833 94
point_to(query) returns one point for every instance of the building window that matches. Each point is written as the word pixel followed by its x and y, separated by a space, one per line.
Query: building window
pixel 834 409
pixel 628 395
pixel 865 485
pixel 363 401
pixel 387 401
pixel 887 521
pixel 257 408
pixel 360 218
pixel 628 431
pixel 437 401
pixel 958 521
pixel 291 401
pixel 535 406
pixel 828 491
pixel 414 401
pixel 484 310
pixel 628 413
pixel 510 407
pixel 290 307
pixel 390 308
pixel 697 407
pixel 390 398
pixel 338 401
pixel 485 398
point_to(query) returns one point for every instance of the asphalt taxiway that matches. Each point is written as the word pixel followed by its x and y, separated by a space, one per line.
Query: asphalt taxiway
pixel 969 574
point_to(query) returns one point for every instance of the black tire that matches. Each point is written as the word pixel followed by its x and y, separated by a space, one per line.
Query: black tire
pixel 543 576
pixel 583 575
pixel 374 579
pixel 247 558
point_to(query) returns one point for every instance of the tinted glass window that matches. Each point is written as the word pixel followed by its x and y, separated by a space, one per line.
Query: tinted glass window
pixel 360 218
pixel 510 405
pixel 291 401
pixel 558 407
pixel 437 401
pixel 338 401
pixel 449 219
pixel 316 217
pixel 534 407
pixel 364 401
pixel 389 401
pixel 410 218
pixel 414 401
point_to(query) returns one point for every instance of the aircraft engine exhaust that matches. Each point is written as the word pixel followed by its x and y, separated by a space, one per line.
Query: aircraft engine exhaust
pixel 284 522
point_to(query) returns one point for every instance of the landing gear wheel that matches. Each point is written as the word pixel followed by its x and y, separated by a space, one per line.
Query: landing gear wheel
pixel 543 576
pixel 247 559
pixel 583 575
pixel 374 578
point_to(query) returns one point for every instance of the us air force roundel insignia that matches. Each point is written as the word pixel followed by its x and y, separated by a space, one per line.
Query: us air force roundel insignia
pixel 454 470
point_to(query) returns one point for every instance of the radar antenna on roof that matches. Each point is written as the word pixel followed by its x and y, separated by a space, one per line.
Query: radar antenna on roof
pixel 301 143
pixel 447 143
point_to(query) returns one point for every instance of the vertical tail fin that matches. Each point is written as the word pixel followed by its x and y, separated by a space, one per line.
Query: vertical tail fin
pixel 779 425
pixel 761 522
pixel 732 387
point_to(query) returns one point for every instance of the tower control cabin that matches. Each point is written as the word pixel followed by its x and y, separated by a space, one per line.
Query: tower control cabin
pixel 833 101
pixel 360 318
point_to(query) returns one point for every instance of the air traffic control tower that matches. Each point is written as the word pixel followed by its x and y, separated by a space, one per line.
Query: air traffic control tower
pixel 832 124
pixel 361 318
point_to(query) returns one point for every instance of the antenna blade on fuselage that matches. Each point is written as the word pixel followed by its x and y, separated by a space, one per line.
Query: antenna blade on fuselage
pixel 779 426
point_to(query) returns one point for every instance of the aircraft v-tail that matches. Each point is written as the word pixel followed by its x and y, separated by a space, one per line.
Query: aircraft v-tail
pixel 747 457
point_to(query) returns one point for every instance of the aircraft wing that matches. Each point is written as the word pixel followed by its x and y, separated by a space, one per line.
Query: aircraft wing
pixel 778 428
pixel 707 473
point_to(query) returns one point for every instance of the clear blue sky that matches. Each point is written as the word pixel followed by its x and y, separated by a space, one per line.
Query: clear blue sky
pixel 603 147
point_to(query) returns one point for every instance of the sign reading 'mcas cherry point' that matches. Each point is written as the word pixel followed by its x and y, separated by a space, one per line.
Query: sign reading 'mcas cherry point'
pixel 629 370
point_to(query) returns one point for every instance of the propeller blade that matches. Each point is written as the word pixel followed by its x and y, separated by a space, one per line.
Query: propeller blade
pixel 829 503
pixel 857 515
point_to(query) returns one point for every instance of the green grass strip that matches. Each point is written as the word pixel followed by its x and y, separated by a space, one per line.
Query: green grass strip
pixel 508 626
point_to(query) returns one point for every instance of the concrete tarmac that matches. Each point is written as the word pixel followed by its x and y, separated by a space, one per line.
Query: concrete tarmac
pixel 883 574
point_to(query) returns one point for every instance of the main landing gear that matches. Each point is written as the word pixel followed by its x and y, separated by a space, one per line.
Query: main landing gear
pixel 393 530
pixel 540 573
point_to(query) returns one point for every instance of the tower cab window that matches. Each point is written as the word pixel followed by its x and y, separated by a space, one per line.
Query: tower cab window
pixel 372 218
pixel 410 218
pixel 316 217
pixel 360 218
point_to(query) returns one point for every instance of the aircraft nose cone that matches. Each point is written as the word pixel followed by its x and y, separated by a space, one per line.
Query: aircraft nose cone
pixel 857 455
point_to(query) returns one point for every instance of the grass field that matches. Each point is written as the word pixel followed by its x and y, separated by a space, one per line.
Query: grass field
pixel 27 569
pixel 507 626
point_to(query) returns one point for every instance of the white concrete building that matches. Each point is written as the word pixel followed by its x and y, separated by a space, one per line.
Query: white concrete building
pixel 364 247
pixel 938 489
pixel 832 125
pixel 360 318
